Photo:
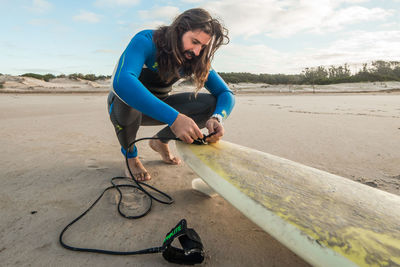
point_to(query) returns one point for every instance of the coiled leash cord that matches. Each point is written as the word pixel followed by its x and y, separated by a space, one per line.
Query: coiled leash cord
pixel 192 252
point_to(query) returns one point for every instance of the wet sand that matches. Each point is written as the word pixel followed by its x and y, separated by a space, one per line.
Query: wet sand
pixel 60 151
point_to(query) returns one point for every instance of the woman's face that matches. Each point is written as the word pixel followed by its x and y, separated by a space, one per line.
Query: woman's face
pixel 193 42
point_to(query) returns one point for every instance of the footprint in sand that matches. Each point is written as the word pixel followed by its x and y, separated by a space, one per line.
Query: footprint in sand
pixel 131 200
pixel 93 164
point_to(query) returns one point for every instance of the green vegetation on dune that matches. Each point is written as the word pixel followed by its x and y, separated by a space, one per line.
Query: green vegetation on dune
pixel 90 77
pixel 1 82
pixel 45 77
pixel 74 76
pixel 378 71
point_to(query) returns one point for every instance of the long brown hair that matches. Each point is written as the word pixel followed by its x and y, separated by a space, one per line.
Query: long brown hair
pixel 168 40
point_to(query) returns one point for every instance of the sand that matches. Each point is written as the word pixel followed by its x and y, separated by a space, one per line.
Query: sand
pixel 60 151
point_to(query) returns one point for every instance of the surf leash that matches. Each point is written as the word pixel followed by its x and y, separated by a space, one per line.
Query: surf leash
pixel 192 248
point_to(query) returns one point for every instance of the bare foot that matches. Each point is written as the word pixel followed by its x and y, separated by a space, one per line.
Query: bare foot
pixel 163 149
pixel 137 170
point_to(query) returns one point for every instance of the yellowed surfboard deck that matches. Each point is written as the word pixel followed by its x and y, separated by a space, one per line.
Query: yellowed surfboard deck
pixel 326 219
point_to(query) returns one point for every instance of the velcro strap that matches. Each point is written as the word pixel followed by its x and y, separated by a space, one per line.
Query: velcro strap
pixel 192 252
pixel 190 241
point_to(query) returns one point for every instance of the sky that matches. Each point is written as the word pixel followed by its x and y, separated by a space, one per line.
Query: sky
pixel 266 36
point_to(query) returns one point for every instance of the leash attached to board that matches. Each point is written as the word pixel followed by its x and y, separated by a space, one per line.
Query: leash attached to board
pixel 192 248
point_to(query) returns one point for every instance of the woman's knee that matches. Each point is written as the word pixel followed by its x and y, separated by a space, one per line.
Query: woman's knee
pixel 209 101
pixel 124 114
pixel 207 98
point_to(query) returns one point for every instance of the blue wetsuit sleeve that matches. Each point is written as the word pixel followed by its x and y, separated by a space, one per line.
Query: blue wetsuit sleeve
pixel 225 98
pixel 127 86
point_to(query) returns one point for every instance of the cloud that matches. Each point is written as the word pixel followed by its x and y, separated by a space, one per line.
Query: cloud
pixel 352 15
pixel 192 1
pixel 353 1
pixel 136 27
pixel 87 16
pixel 391 24
pixel 115 3
pixel 40 22
pixel 153 24
pixel 355 48
pixel 248 58
pixel 286 18
pixel 9 45
pixel 165 12
pixel 361 46
pixel 152 18
pixel 39 6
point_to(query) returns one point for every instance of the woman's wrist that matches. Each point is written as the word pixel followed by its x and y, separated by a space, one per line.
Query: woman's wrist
pixel 217 117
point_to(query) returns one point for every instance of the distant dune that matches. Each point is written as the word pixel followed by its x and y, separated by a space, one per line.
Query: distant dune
pixel 18 84
pixel 362 87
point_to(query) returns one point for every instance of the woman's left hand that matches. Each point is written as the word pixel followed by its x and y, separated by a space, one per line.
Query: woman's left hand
pixel 214 126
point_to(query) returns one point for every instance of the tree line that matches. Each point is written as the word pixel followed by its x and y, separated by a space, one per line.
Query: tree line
pixel 378 71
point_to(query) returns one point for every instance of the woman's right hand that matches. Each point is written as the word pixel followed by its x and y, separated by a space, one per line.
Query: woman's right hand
pixel 186 129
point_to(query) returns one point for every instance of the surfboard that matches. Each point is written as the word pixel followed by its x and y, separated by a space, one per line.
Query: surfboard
pixel 326 219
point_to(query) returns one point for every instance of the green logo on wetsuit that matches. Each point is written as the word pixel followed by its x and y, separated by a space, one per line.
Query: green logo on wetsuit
pixel 155 66
pixel 224 114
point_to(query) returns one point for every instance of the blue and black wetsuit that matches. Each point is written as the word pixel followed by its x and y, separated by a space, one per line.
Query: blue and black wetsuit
pixel 140 97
